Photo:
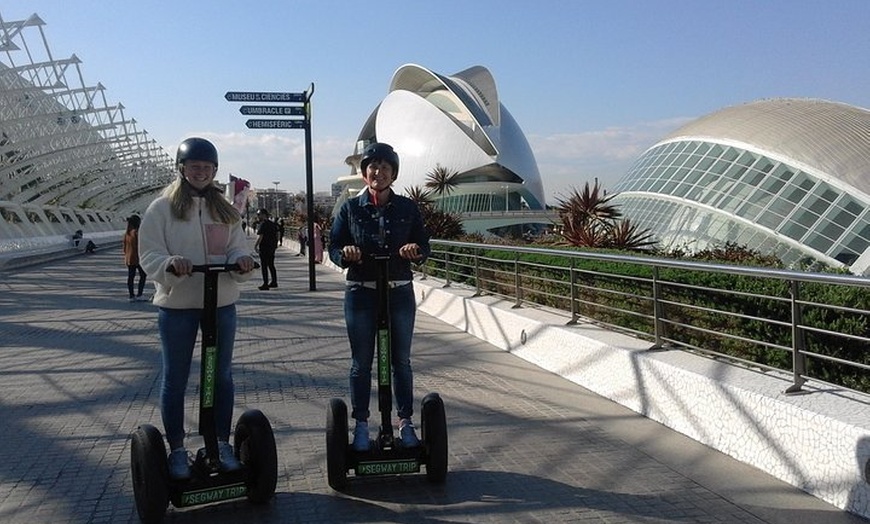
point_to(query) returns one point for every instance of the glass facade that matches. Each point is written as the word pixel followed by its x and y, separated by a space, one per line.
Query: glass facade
pixel 695 194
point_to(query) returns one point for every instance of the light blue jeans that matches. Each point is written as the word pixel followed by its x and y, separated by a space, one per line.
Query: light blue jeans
pixel 361 315
pixel 178 333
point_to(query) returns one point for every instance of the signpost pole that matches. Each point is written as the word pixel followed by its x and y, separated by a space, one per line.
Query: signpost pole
pixel 309 189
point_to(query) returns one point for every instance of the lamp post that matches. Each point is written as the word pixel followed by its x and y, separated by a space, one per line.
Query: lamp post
pixel 277 213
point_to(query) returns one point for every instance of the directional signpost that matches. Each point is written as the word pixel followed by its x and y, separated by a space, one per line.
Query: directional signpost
pixel 276 124
pixel 273 110
pixel 296 110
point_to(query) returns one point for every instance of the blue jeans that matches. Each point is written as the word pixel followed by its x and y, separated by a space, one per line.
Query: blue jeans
pixel 361 315
pixel 178 332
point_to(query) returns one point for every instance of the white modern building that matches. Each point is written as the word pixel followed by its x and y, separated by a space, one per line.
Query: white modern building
pixel 459 124
pixel 788 177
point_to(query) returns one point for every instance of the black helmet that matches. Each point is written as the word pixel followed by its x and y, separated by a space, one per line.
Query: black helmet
pixel 379 151
pixel 263 211
pixel 196 149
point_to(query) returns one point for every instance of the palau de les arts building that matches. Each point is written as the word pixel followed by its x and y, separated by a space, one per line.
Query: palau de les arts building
pixel 458 123
pixel 786 177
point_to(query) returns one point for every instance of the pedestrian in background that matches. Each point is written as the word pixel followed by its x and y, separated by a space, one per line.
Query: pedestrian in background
pixel 301 236
pixel 266 245
pixel 131 258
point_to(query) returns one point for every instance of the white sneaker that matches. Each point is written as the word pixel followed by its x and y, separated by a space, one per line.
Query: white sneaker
pixel 179 466
pixel 361 436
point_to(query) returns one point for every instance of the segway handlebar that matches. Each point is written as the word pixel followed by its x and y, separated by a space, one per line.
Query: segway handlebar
pixel 213 268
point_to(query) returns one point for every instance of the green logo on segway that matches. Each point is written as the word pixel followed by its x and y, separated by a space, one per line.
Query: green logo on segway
pixel 387 467
pixel 205 496
pixel 210 364
pixel 384 357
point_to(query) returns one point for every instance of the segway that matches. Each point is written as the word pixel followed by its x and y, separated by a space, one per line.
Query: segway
pixel 254 442
pixel 386 455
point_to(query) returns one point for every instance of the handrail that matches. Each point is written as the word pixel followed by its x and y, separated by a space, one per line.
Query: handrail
pixel 676 314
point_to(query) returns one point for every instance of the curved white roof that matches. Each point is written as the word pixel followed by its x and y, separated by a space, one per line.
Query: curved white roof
pixel 829 136
pixel 459 123
pixel 784 177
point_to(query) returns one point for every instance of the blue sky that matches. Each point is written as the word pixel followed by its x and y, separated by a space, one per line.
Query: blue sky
pixel 591 83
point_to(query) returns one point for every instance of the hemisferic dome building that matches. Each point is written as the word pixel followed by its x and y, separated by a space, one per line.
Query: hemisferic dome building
pixel 786 177
pixel 458 124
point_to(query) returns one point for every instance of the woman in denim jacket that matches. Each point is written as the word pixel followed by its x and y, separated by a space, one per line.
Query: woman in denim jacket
pixel 379 221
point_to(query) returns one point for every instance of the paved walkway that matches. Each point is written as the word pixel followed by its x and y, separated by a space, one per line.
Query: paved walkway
pixel 79 371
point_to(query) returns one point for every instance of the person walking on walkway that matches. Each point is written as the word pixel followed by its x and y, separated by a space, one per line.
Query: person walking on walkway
pixel 131 258
pixel 192 223
pixel 317 243
pixel 302 237
pixel 266 245
pixel 379 221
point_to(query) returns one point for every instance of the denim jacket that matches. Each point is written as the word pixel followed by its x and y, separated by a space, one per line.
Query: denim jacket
pixel 378 230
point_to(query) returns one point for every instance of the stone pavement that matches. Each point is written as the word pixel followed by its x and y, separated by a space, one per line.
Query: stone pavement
pixel 79 370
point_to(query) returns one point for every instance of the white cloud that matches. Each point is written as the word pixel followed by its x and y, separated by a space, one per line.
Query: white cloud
pixel 263 158
pixel 568 161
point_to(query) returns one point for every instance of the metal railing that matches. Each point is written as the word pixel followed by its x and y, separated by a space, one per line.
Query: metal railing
pixel 748 315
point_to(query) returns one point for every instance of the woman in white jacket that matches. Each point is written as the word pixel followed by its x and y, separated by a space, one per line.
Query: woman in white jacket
pixel 192 223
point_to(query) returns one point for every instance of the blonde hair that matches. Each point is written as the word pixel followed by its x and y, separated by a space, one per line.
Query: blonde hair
pixel 180 195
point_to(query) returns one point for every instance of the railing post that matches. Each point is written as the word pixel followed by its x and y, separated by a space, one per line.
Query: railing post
pixel 446 269
pixel 798 341
pixel 423 269
pixel 518 290
pixel 658 309
pixel 572 278
pixel 477 291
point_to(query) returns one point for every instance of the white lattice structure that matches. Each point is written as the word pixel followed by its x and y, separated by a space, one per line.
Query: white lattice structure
pixel 69 159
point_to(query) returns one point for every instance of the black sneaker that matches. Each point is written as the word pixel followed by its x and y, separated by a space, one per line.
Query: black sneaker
pixel 273 284
pixel 264 287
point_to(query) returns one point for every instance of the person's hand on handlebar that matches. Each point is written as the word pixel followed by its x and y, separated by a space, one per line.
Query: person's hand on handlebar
pixel 351 254
pixel 246 263
pixel 181 266
pixel 410 252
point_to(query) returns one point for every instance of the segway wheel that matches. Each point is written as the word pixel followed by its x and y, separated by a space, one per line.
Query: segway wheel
pixel 336 444
pixel 255 446
pixel 434 428
pixel 150 473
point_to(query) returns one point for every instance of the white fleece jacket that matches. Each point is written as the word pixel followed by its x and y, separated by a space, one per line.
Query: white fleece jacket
pixel 163 238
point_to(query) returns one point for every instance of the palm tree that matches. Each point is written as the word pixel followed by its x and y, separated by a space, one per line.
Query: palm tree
pixel 441 181
pixel 592 205
pixel 588 219
pixel 419 195
pixel 440 224
pixel 625 235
